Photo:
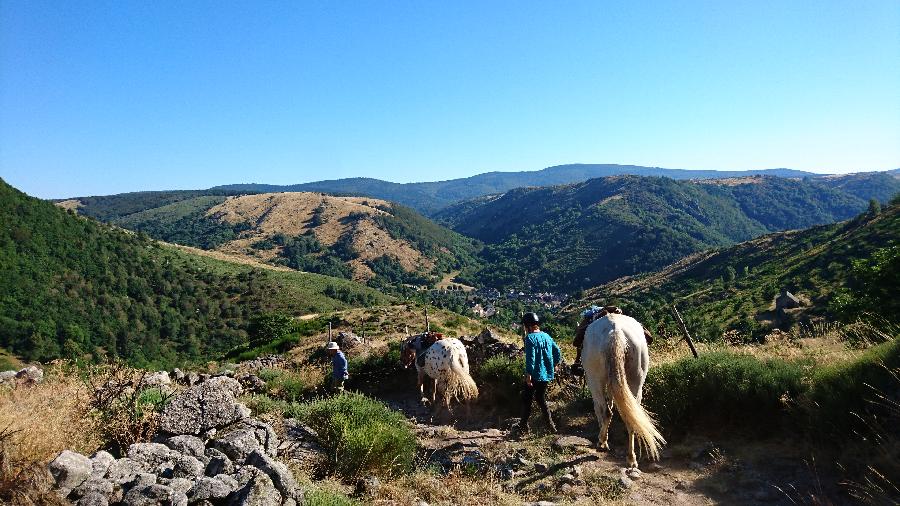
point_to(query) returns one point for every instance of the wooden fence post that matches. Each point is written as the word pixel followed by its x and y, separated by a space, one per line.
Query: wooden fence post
pixel 687 335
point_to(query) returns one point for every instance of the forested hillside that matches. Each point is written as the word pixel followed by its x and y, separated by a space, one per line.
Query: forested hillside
pixel 841 271
pixel 574 236
pixel 73 287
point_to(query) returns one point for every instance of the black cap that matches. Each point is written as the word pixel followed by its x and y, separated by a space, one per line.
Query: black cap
pixel 530 319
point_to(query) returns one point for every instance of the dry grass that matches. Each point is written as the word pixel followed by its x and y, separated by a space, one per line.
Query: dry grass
pixel 36 423
pixel 48 417
pixel 453 489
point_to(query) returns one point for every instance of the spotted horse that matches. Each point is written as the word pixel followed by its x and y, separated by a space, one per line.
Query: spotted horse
pixel 445 361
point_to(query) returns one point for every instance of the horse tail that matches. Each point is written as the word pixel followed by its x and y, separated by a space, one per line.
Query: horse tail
pixel 636 419
pixel 459 383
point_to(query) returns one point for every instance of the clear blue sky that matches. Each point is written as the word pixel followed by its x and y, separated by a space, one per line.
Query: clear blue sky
pixel 106 97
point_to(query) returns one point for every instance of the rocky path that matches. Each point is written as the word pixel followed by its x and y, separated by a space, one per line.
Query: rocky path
pixel 566 469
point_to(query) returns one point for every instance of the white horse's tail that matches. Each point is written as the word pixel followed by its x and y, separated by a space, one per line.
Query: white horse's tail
pixel 635 417
pixel 459 383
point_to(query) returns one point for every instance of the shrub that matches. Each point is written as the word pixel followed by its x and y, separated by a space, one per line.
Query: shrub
pixel 360 435
pixel 376 368
pixel 325 497
pixel 738 388
pixel 500 378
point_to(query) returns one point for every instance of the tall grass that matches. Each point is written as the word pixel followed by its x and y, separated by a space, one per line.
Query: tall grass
pixel 360 435
pixel 735 388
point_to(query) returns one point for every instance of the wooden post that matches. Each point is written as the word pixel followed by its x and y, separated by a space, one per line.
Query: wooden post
pixel 329 332
pixel 687 335
pixel 427 325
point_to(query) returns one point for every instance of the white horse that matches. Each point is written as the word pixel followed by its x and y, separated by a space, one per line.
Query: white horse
pixel 447 363
pixel 616 360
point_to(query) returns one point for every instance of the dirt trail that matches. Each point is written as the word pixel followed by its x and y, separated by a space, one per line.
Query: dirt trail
pixel 566 469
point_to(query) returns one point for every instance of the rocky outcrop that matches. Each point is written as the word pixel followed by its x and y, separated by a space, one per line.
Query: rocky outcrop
pixel 210 453
pixel 27 375
pixel 208 405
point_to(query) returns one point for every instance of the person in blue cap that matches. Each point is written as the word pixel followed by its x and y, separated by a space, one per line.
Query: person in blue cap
pixel 542 356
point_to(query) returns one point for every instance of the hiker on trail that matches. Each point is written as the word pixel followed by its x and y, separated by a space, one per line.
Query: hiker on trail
pixel 338 368
pixel 542 355
pixel 589 316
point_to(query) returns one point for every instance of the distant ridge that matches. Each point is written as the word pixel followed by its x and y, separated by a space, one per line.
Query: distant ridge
pixel 431 197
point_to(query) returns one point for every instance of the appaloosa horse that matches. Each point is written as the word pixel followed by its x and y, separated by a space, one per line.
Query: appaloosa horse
pixel 446 362
pixel 616 360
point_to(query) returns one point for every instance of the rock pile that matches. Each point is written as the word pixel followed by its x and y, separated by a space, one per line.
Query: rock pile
pixel 209 452
pixel 486 345
pixel 27 375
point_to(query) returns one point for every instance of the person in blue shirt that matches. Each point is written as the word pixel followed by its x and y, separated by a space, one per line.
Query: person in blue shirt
pixel 338 368
pixel 542 355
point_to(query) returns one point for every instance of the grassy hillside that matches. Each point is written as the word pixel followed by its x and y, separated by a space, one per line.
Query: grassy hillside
pixel 73 287
pixel 573 236
pixel 351 237
pixel 841 270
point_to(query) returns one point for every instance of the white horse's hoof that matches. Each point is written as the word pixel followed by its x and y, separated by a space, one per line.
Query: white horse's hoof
pixel 603 447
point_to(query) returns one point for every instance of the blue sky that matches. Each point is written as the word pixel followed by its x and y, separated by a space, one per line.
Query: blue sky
pixel 107 97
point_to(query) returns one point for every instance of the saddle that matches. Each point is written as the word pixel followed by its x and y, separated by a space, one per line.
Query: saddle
pixel 426 341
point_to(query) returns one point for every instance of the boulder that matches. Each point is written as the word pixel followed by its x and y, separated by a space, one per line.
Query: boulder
pixel 256 489
pixel 209 488
pixel 252 382
pixel 152 455
pixel 207 405
pixel 152 495
pixel 124 470
pixel 218 463
pixel 487 336
pixel 276 471
pixel 100 463
pixel 159 379
pixel 7 376
pixel 188 445
pixel 182 485
pixel 237 444
pixel 69 470
pixel 94 485
pixel 30 374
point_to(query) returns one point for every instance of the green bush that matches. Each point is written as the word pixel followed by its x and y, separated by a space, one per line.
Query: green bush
pixel 325 497
pixel 500 378
pixel 360 435
pixel 376 368
pixel 737 388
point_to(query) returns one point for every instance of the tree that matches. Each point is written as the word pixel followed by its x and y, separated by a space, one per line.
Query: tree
pixel 874 207
pixel 269 327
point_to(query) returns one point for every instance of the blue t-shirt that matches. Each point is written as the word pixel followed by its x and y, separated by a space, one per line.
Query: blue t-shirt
pixel 541 356
pixel 339 365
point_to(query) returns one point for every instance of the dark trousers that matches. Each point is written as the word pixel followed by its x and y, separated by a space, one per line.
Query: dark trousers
pixel 538 389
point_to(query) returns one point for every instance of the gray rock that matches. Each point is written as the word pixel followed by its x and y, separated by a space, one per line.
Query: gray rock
pixel 159 379
pixel 218 463
pixel 142 480
pixel 252 382
pixel 100 463
pixel 150 495
pixel 571 443
pixel 93 499
pixel 94 485
pixel 192 378
pixel 180 485
pixel 123 470
pixel 204 406
pixel 228 480
pixel 178 375
pixel 152 455
pixel 184 466
pixel 69 470
pixel 624 480
pixel 279 473
pixel 209 488
pixel 30 374
pixel 7 376
pixel 258 490
pixel 237 444
pixel 188 445
pixel 265 435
